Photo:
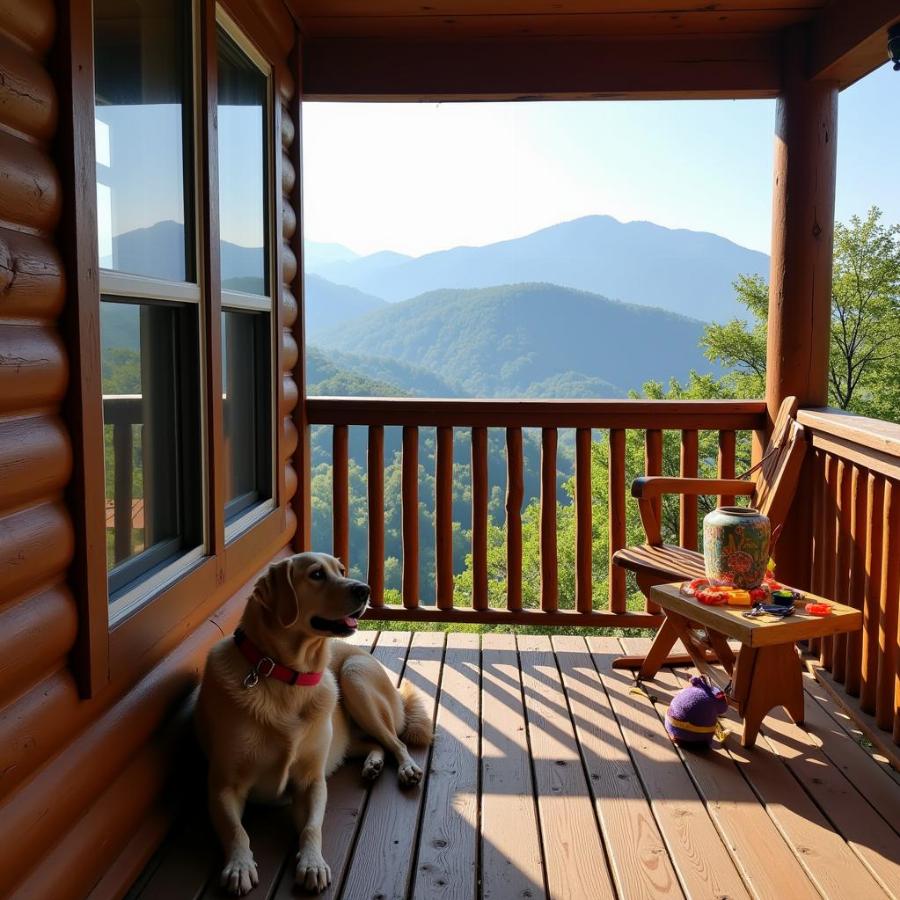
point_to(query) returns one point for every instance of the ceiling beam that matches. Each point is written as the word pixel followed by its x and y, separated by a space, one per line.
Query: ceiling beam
pixel 525 69
pixel 849 39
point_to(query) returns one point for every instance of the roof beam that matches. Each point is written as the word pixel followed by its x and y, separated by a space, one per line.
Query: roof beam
pixel 849 39
pixel 528 69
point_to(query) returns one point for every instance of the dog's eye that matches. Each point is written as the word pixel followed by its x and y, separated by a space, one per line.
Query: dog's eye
pixel 317 574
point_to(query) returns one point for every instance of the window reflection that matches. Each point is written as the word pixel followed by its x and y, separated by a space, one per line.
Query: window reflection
pixel 246 407
pixel 242 169
pixel 143 137
pixel 151 436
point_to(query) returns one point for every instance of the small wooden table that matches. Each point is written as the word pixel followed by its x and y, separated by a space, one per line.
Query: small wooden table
pixel 767 671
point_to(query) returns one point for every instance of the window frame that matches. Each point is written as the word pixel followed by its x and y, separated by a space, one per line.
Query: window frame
pixel 118 652
pixel 127 286
pixel 241 301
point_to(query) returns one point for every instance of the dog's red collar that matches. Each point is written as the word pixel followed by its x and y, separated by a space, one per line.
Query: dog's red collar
pixel 266 667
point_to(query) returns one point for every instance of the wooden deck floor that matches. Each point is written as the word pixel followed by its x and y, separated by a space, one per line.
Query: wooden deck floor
pixel 551 776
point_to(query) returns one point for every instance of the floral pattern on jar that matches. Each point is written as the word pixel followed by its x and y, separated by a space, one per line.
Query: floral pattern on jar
pixel 736 546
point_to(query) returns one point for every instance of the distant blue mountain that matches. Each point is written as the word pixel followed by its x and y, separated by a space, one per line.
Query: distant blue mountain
pixel 527 340
pixel 317 255
pixel 329 305
pixel 687 272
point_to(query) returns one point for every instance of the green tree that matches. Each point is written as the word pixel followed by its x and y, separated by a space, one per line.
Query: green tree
pixel 864 369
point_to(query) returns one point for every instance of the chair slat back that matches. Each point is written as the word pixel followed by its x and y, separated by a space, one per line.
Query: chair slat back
pixel 779 473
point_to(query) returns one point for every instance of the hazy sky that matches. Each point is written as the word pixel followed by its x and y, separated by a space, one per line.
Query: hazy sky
pixel 422 177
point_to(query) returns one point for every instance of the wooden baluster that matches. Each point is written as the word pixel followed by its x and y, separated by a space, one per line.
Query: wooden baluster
pixel 817 575
pixel 549 569
pixel 890 595
pixel 829 545
pixel 515 495
pixel 616 518
pixel 340 493
pixel 858 517
pixel 123 490
pixel 409 492
pixel 479 518
pixel 872 605
pixel 842 567
pixel 727 454
pixel 584 582
pixel 653 457
pixel 375 479
pixel 687 525
pixel 443 523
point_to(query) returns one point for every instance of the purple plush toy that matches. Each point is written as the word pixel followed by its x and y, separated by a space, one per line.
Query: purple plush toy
pixel 692 714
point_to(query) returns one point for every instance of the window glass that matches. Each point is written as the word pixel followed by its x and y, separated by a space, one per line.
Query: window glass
pixel 246 399
pixel 143 137
pixel 242 169
pixel 151 436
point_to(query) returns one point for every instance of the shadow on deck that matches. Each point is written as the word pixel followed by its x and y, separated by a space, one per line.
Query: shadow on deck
pixel 551 776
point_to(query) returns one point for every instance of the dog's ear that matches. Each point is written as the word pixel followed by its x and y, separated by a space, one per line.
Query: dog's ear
pixel 276 593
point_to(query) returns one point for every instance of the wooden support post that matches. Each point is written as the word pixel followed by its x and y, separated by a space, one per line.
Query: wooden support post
pixel 800 280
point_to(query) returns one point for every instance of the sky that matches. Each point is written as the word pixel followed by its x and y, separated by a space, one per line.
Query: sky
pixel 421 177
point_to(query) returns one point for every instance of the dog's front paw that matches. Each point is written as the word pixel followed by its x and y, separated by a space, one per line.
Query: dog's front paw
pixel 312 872
pixel 409 774
pixel 239 875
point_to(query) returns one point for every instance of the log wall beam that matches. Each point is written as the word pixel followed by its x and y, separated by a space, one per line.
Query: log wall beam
pixel 527 69
pixel 849 39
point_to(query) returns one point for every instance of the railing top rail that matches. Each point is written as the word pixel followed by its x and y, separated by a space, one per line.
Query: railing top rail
pixel 517 413
pixel 123 409
pixel 871 443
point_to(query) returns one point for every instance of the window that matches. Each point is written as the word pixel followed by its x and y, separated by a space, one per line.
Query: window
pixel 244 123
pixel 151 445
pixel 144 137
pixel 150 298
pixel 246 413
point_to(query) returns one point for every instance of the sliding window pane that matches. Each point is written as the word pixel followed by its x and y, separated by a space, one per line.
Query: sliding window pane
pixel 152 437
pixel 143 65
pixel 242 170
pixel 247 410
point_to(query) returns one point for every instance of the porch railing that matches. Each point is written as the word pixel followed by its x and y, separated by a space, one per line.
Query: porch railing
pixel 615 417
pixel 856 553
pixel 121 412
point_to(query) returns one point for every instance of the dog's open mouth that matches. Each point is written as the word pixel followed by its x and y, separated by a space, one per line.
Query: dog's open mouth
pixel 339 627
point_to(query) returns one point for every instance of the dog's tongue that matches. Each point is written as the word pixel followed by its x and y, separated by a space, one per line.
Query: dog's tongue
pixel 350 622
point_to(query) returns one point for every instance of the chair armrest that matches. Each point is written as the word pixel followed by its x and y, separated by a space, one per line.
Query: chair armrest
pixel 650 486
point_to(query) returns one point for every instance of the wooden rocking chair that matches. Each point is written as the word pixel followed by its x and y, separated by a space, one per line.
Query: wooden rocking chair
pixel 770 484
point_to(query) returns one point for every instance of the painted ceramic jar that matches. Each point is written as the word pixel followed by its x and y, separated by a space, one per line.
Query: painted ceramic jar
pixel 736 546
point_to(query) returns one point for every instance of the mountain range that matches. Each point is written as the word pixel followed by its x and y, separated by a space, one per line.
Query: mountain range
pixel 686 272
pixel 528 340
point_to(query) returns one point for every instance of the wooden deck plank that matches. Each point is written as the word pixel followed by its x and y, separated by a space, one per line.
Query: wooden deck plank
pixel 872 778
pixel 185 863
pixel 273 840
pixel 872 839
pixel 638 858
pixel 573 850
pixel 385 850
pixel 695 846
pixel 763 857
pixel 859 725
pixel 347 792
pixel 448 842
pixel 822 852
pixel 827 860
pixel 511 866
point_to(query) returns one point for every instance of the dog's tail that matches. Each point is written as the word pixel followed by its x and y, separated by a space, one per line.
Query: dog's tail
pixel 418 729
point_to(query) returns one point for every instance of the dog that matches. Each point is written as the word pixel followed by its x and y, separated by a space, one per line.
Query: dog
pixel 282 704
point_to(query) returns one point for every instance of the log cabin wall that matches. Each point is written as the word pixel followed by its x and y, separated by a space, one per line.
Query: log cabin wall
pixel 82 773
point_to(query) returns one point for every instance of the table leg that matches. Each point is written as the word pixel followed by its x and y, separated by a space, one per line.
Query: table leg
pixel 664 641
pixel 767 677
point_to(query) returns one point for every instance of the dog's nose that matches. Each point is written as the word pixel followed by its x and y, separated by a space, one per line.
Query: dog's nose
pixel 360 591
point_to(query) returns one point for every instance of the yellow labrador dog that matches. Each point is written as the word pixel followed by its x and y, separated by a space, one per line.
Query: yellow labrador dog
pixel 282 704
